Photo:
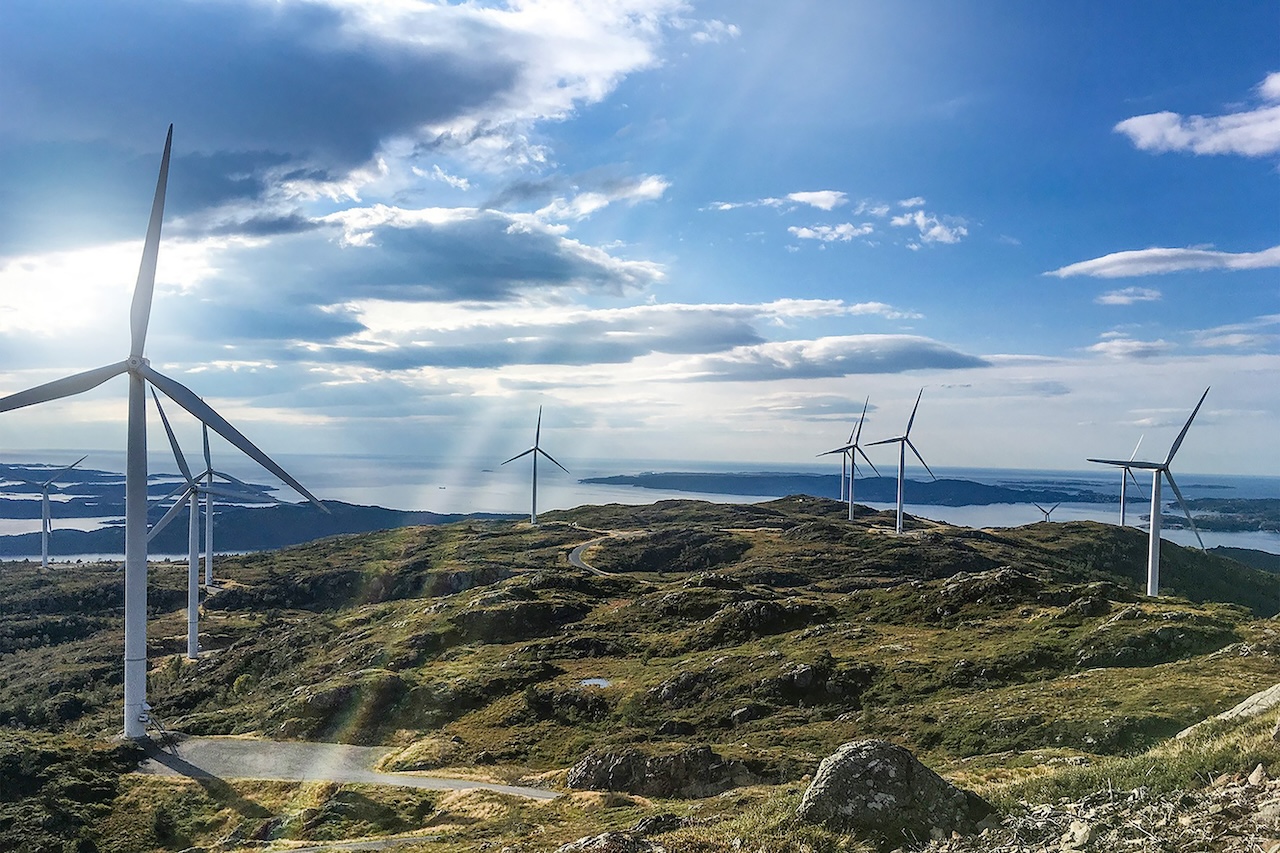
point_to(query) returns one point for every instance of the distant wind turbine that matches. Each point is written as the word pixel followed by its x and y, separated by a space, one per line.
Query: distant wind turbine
pixel 194 489
pixel 847 457
pixel 1047 512
pixel 140 372
pixel 904 441
pixel 46 520
pixel 209 488
pixel 535 450
pixel 1159 469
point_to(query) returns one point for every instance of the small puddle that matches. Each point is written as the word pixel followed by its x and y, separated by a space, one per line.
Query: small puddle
pixel 595 682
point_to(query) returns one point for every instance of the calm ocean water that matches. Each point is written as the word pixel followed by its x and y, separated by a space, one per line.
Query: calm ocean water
pixel 461 485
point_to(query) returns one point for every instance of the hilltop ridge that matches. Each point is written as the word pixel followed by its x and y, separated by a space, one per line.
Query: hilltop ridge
pixel 766 634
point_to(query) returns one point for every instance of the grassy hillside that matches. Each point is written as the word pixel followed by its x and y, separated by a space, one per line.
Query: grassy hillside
pixel 771 633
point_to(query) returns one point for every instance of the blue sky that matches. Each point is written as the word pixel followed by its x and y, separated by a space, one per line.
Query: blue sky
pixel 688 230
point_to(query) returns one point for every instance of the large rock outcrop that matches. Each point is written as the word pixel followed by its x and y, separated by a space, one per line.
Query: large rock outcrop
pixel 879 790
pixel 694 772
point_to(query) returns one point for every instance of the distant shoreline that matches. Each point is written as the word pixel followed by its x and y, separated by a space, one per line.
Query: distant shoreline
pixel 942 492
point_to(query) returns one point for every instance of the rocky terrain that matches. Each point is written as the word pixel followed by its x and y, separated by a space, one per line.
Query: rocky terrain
pixel 682 691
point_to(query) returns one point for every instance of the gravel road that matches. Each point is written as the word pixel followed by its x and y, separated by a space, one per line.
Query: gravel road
pixel 243 758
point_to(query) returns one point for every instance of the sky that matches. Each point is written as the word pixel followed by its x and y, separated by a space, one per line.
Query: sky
pixel 687 230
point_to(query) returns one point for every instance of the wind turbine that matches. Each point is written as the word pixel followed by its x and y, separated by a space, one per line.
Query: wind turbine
pixel 535 450
pixel 904 441
pixel 46 522
pixel 847 453
pixel 1158 469
pixel 193 490
pixel 140 372
pixel 1047 512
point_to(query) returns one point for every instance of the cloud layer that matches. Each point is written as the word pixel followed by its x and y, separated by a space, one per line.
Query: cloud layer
pixel 1140 262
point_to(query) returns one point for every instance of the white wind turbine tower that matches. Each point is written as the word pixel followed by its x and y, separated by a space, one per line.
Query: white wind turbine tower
pixel 847 455
pixel 1047 512
pixel 1159 469
pixel 140 372
pixel 46 521
pixel 904 441
pixel 194 488
pixel 535 450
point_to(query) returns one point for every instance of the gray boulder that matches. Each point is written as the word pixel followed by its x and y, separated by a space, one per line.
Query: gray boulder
pixel 610 842
pixel 694 772
pixel 879 790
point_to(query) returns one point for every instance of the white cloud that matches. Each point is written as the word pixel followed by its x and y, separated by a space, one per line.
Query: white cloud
pixel 1252 133
pixel 1269 88
pixel 1119 346
pixel 827 357
pixel 914 201
pixel 872 208
pixel 715 31
pixel 821 199
pixel 439 174
pixel 1128 296
pixel 844 232
pixel 1260 333
pixel 582 205
pixel 932 229
pixel 1158 261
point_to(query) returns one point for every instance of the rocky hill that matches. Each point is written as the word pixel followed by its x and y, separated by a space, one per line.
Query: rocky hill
pixel 700 668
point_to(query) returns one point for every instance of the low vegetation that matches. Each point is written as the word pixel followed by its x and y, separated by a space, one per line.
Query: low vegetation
pixel 1023 662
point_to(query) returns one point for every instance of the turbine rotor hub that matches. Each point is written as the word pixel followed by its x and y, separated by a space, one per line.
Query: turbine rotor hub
pixel 136 361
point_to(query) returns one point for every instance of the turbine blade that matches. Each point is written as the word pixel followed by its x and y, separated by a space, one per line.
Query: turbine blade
pixel 549 456
pixel 518 455
pixel 1136 446
pixel 249 487
pixel 868 461
pixel 187 399
pixel 912 419
pixel 208 460
pixel 181 488
pixel 1055 506
pixel 61 471
pixel 173 440
pixel 844 449
pixel 65 387
pixel 1178 442
pixel 537 433
pixel 170 515
pixel 234 494
pixel 1182 503
pixel 1125 463
pixel 140 312
pixel 1042 509
pixel 886 441
pixel 921 458
pixel 1136 484
pixel 857 433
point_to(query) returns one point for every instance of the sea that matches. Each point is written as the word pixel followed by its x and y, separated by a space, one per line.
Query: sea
pixel 469 485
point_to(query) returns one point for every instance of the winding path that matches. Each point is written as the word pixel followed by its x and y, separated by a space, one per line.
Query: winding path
pixel 215 758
